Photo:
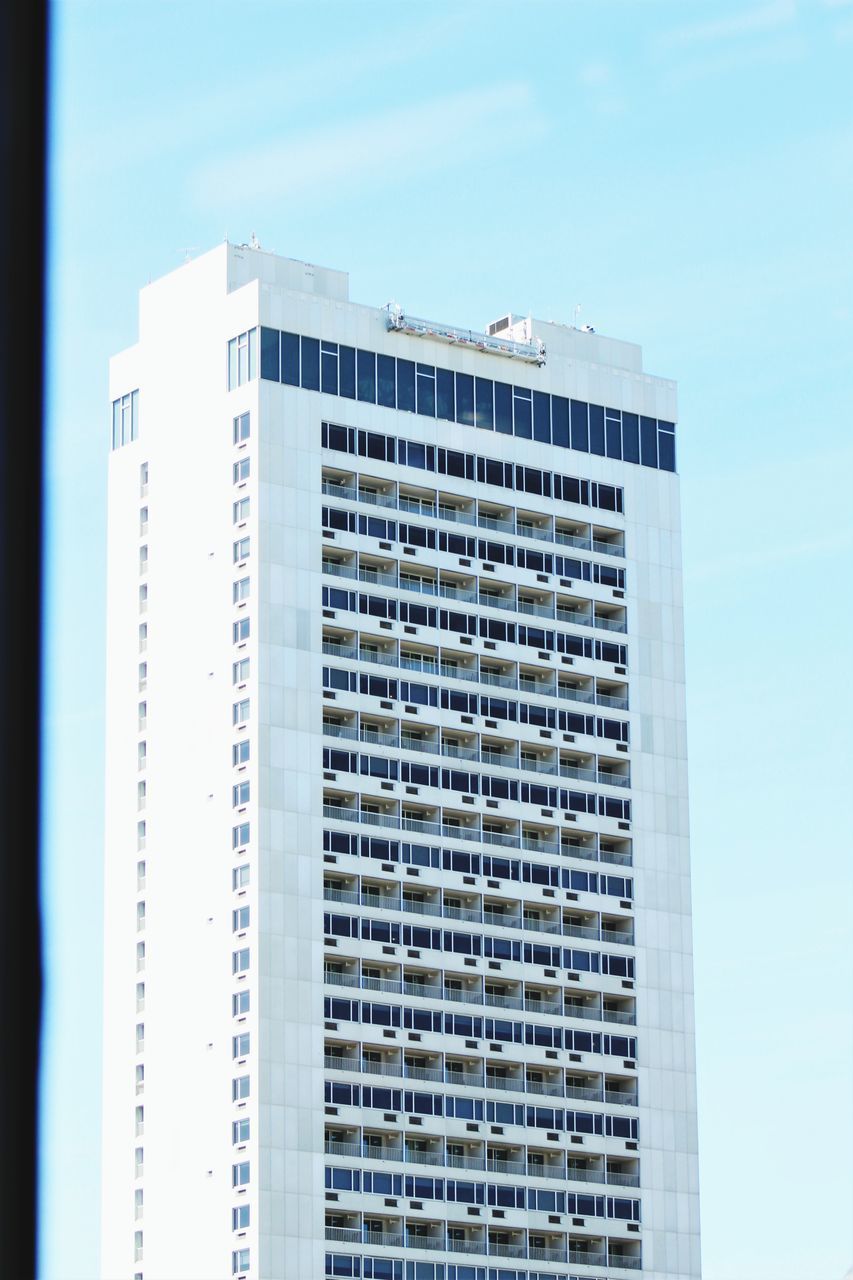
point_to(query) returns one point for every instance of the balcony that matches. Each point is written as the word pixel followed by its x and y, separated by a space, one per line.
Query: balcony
pixel 504 1083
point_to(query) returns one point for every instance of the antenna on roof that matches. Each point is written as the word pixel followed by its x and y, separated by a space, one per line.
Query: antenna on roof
pixel 254 242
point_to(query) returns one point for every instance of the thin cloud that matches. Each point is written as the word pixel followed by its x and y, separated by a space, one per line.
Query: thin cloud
pixel 769 17
pixel 167 127
pixel 382 148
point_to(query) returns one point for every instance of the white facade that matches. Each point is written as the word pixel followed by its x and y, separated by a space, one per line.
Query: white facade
pixel 235 886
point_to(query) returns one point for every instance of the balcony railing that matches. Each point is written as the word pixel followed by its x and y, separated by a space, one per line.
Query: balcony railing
pixel 476 915
pixel 455 515
pixel 488 600
pixel 456 672
pixel 475 1079
pixel 342 813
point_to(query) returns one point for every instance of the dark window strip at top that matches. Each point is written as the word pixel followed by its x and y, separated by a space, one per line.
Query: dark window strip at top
pixel 432 392
pixel 471 466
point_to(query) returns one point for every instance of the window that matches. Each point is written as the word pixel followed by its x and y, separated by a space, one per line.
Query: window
pixel 140 1036
pixel 242 359
pixel 240 835
pixel 240 960
pixel 138 1162
pixel 240 1045
pixel 137 1246
pixel 240 1260
pixel 143 519
pixel 241 470
pixel 141 715
pixel 140 834
pixel 241 510
pixel 143 479
pixel 139 1121
pixel 240 1217
pixel 240 590
pixel 240 794
pixel 240 1174
pixel 240 919
pixel 239 1004
pixel 143 597
pixel 240 671
pixel 141 754
pixel 240 1088
pixel 139 1076
pixel 241 428
pixel 241 549
pixel 240 1130
pixel 240 630
pixel 137 1203
pixel 140 956
pixel 141 794
pixel 240 752
pixel 143 675
pixel 240 711
pixel 126 420
pixel 143 559
pixel 140 875
pixel 240 876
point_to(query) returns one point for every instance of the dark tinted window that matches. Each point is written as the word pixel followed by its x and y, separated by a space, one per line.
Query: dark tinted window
pixel 523 412
pixel 311 364
pixel 596 429
pixel 542 417
pixel 503 408
pixel 406 385
pixel 485 416
pixel 290 359
pixel 580 425
pixel 270 356
pixel 346 371
pixel 630 437
pixel 386 381
pixel 366 375
pixel 465 399
pixel 560 421
pixel 648 442
pixel 445 400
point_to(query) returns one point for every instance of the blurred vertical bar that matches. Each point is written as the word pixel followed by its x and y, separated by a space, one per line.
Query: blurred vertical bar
pixel 23 127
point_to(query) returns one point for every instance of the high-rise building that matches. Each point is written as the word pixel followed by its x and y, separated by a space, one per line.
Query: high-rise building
pixel 398 941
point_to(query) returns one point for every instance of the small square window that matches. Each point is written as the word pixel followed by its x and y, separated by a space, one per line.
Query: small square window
pixel 241 428
pixel 242 468
pixel 241 590
pixel 240 1002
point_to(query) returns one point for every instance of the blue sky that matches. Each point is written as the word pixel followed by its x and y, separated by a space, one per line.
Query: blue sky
pixel 683 172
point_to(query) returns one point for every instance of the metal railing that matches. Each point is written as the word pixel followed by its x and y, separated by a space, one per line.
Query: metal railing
pixel 505 760
pixel 471 995
pixel 457 515
pixel 477 915
pixel 456 672
pixel 342 813
pixel 506 1084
